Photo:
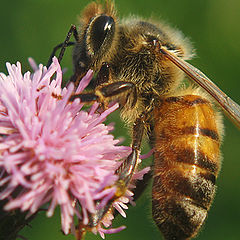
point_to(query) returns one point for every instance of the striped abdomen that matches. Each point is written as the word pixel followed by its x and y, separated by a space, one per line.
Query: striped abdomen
pixel 187 161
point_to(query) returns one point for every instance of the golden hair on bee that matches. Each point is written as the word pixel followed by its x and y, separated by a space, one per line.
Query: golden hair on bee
pixel 95 9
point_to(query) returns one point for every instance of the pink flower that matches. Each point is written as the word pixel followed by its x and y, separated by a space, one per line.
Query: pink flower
pixel 51 151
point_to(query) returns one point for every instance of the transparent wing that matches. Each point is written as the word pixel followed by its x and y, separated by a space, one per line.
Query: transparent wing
pixel 231 108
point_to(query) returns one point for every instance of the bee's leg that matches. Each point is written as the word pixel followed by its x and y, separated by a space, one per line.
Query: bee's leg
pixel 119 91
pixel 85 97
pixel 104 94
pixel 113 89
pixel 61 45
pixel 66 43
pixel 128 167
pixel 125 173
pixel 105 90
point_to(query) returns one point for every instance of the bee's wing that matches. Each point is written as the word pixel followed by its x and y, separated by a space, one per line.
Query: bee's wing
pixel 231 108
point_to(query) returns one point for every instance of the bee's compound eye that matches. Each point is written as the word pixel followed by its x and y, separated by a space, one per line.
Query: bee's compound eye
pixel 102 29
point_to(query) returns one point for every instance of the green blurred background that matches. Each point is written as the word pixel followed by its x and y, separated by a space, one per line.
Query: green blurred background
pixel 33 28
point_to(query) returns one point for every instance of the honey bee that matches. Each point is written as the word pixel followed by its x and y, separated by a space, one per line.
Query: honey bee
pixel 141 65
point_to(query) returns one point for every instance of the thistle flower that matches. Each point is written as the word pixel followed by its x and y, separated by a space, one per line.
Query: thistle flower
pixel 50 150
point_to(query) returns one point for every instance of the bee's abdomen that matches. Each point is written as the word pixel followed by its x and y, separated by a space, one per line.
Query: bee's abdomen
pixel 187 161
